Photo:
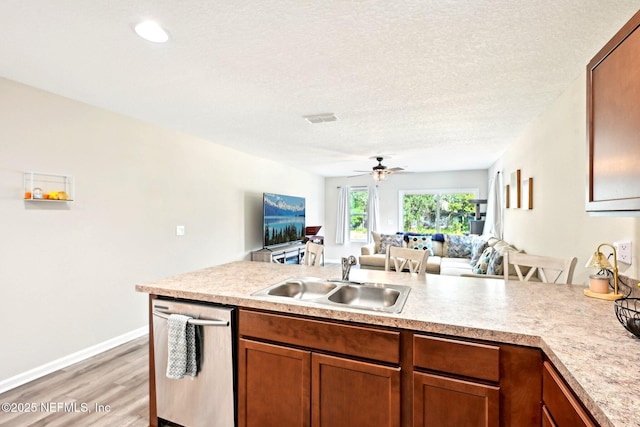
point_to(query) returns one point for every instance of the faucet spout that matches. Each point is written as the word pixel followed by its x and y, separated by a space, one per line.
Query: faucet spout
pixel 347 262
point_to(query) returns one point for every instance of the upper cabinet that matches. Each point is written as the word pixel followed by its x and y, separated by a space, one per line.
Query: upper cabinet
pixel 613 119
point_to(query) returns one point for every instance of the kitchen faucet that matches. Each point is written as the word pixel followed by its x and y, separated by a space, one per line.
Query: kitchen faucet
pixel 346 266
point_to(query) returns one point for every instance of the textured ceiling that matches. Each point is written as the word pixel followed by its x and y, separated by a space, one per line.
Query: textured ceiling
pixel 431 85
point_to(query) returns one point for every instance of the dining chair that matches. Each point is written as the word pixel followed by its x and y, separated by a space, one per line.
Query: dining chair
pixel 549 269
pixel 312 253
pixel 413 260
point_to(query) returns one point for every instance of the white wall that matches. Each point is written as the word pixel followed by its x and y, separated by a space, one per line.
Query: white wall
pixel 67 273
pixel 388 193
pixel 553 150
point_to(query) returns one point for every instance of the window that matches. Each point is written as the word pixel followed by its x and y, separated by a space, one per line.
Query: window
pixel 358 198
pixel 439 211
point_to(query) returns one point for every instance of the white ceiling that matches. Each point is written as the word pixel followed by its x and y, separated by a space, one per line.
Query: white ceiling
pixel 432 85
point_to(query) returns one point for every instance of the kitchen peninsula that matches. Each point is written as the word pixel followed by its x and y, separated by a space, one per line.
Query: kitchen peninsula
pixel 579 337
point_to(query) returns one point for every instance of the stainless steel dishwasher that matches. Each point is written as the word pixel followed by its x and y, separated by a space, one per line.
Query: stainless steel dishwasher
pixel 208 398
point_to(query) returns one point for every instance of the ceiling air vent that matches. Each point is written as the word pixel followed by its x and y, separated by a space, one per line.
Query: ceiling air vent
pixel 321 118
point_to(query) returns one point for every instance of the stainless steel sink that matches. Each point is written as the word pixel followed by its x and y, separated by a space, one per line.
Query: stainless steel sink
pixel 365 296
pixel 302 289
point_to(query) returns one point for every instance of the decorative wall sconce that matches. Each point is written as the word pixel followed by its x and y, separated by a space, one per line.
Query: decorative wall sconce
pixel 599 261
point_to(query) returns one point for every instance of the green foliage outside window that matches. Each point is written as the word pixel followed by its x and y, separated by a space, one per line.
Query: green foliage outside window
pixel 358 214
pixel 438 213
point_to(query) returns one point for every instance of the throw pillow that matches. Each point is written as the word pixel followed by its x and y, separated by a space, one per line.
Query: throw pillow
pixel 387 240
pixel 496 263
pixel 458 246
pixel 478 245
pixel 482 264
pixel 421 243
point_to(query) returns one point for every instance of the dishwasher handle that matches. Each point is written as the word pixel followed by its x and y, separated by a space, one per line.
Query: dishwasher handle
pixel 197 322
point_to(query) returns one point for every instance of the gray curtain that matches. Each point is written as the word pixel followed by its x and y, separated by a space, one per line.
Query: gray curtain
pixel 342 220
pixel 373 212
pixel 494 225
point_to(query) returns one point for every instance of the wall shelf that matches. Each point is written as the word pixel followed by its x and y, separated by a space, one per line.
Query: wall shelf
pixel 48 187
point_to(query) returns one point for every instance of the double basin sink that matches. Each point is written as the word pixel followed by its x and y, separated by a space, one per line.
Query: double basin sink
pixel 367 296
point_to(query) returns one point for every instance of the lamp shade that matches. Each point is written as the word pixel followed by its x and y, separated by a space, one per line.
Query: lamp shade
pixel 598 260
pixel 379 175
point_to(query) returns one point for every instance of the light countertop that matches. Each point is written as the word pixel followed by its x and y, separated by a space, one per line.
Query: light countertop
pixel 581 336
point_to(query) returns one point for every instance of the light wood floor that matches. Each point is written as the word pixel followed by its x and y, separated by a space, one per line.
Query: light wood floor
pixel 117 378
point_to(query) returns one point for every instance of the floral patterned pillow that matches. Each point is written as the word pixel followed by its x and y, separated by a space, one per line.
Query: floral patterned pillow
pixel 458 246
pixel 421 243
pixel 496 264
pixel 387 240
pixel 482 264
pixel 478 245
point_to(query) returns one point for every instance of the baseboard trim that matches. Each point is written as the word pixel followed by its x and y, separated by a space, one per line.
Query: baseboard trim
pixel 63 362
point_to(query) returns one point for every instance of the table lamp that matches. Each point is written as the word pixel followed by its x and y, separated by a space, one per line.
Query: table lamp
pixel 599 261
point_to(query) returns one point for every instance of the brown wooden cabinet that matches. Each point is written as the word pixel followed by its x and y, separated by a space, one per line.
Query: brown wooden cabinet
pixel 443 401
pixel 275 385
pixel 301 371
pixel 466 383
pixel 613 119
pixel 547 421
pixel 279 382
pixel 561 407
pixel 297 379
pixel 354 393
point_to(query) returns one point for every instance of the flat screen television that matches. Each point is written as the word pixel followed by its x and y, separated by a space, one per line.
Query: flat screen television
pixel 283 219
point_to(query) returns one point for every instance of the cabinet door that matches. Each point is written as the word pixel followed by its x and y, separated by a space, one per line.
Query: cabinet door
pixel 353 393
pixel 273 385
pixel 547 421
pixel 559 401
pixel 447 402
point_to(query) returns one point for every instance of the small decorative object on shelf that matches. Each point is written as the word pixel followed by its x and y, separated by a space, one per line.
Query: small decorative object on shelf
pixel 48 187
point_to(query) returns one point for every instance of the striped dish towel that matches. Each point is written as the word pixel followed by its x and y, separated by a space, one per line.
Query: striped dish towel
pixel 182 347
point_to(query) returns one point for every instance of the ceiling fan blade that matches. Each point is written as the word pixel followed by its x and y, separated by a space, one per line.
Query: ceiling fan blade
pixel 395 169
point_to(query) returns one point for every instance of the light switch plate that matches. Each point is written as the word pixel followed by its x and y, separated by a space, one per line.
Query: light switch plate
pixel 180 230
pixel 623 249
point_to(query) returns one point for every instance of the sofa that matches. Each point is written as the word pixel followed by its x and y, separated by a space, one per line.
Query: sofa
pixel 449 255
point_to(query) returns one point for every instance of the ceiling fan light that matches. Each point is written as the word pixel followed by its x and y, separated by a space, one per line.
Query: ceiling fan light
pixel 379 175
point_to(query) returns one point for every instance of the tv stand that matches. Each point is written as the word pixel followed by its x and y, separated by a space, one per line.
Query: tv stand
pixel 287 254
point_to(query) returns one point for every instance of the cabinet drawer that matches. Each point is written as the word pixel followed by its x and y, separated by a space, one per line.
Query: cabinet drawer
pixel 369 343
pixel 564 407
pixel 468 359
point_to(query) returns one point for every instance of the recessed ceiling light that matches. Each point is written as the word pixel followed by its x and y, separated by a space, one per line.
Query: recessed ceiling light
pixel 152 32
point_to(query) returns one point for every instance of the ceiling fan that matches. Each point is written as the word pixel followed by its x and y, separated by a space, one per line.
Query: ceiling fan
pixel 379 172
